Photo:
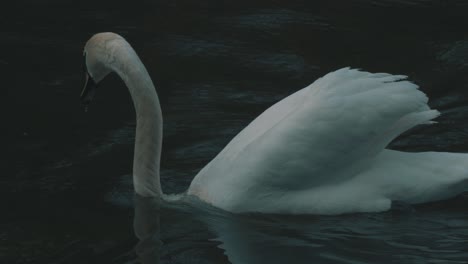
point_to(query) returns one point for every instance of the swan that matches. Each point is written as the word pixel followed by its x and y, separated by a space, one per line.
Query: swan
pixel 320 150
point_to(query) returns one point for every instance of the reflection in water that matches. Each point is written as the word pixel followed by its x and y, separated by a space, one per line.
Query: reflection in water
pixel 147 229
pixel 192 230
pixel 253 240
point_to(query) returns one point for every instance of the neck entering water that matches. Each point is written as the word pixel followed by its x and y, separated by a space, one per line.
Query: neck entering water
pixel 148 139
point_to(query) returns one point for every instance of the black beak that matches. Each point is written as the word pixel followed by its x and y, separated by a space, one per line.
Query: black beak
pixel 88 91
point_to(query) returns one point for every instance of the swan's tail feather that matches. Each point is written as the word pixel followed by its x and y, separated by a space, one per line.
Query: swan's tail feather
pixel 419 177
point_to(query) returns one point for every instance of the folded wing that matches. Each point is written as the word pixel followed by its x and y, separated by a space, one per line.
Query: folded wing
pixel 322 135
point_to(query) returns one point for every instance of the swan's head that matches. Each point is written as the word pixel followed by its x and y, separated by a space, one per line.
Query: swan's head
pixel 99 61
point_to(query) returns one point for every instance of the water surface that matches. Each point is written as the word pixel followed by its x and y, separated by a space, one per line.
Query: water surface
pixel 66 188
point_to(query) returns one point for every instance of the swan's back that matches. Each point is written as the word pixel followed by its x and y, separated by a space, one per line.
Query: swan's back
pixel 322 136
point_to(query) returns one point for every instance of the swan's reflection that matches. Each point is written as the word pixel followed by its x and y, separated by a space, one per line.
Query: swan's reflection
pixel 242 238
pixel 146 225
pixel 198 233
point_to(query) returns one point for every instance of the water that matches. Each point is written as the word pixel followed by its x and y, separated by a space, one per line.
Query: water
pixel 66 191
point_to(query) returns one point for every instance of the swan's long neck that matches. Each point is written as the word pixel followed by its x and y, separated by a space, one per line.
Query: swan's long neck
pixel 148 140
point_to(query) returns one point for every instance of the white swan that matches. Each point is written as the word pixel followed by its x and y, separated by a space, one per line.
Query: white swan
pixel 318 151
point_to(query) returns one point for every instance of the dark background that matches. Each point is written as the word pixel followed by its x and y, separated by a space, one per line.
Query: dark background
pixel 65 192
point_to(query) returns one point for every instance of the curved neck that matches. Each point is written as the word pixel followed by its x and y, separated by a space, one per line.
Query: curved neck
pixel 148 139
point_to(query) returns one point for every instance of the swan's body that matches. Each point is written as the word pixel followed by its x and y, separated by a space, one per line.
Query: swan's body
pixel 320 150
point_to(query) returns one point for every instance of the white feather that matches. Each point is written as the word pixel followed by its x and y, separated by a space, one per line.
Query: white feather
pixel 321 150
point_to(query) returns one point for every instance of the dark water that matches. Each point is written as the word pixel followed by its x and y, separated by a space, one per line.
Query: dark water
pixel 65 190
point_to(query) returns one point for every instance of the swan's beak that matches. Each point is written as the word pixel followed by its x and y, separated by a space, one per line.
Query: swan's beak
pixel 88 91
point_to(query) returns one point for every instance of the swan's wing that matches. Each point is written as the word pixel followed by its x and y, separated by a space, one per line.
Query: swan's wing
pixel 323 134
